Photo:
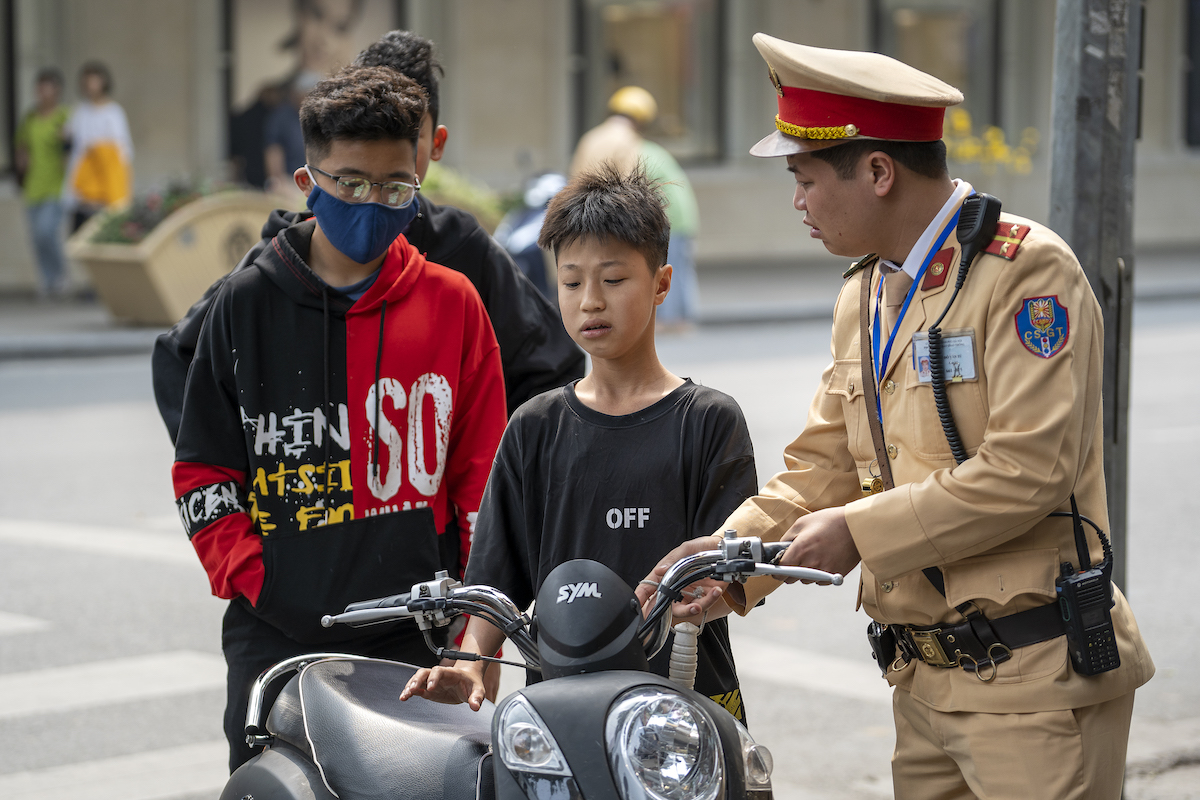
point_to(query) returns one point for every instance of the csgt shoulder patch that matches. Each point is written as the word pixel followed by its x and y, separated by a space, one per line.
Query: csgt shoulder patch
pixel 1043 325
pixel 1007 239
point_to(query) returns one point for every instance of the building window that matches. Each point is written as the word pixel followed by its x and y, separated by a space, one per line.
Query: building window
pixel 954 40
pixel 1192 65
pixel 277 50
pixel 671 48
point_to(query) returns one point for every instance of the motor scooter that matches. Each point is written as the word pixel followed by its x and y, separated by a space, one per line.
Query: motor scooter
pixel 598 726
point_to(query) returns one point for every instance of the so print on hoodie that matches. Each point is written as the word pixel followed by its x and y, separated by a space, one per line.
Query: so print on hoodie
pixel 333 450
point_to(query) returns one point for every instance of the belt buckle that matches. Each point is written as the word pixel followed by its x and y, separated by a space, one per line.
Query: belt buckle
pixel 930 648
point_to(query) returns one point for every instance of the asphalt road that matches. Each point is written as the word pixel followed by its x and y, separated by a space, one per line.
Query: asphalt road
pixel 111 680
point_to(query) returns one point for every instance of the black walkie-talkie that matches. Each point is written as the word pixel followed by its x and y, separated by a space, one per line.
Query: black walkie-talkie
pixel 1084 598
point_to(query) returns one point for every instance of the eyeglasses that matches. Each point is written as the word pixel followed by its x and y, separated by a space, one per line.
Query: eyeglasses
pixel 352 189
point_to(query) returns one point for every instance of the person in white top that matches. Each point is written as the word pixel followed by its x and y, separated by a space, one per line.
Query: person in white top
pixel 99 173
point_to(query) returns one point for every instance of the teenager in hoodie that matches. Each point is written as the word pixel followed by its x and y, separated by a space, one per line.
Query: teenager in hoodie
pixel 536 353
pixel 344 404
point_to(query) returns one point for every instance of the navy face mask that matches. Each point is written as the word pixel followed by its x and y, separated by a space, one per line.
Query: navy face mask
pixel 360 231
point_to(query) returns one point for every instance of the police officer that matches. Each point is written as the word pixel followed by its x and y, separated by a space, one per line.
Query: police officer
pixel 959 560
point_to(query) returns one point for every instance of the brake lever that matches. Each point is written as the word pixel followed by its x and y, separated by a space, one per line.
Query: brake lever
pixel 803 573
pixel 366 616
pixel 750 556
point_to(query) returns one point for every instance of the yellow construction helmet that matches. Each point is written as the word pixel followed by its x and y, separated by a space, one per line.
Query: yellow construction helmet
pixel 634 102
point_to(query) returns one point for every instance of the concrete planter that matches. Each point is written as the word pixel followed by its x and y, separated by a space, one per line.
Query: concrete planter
pixel 155 281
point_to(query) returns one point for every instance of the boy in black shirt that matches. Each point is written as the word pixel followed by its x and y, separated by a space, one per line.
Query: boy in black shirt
pixel 620 466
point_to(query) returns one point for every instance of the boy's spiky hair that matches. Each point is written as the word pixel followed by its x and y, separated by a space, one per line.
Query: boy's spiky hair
pixel 608 204
pixel 361 104
pixel 410 55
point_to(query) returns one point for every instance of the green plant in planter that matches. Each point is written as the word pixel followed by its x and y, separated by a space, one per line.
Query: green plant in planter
pixel 447 186
pixel 132 224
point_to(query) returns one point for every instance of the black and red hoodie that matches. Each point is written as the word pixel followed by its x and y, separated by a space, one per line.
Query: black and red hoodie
pixel 325 443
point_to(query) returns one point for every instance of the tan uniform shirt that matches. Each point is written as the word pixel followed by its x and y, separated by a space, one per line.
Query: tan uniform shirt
pixel 1032 427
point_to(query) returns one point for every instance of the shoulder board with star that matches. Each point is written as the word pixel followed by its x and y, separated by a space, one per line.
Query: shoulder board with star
pixel 1007 240
pixel 865 261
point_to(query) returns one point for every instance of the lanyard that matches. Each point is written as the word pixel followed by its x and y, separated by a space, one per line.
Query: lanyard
pixel 881 360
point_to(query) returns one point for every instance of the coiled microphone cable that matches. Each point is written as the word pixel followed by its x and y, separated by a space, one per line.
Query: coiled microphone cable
pixel 976 227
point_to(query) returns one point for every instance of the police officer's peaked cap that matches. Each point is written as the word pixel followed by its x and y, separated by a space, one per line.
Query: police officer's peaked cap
pixel 828 97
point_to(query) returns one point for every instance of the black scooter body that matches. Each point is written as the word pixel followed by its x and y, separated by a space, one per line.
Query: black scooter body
pixel 339 730
pixel 340 724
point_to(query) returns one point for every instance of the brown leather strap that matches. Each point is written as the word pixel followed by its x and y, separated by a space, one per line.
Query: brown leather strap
pixel 869 389
pixel 868 379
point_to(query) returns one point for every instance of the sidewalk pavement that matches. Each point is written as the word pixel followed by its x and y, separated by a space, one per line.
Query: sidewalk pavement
pixel 746 294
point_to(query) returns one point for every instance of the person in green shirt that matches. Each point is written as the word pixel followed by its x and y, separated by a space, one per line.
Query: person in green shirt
pixel 680 311
pixel 41 162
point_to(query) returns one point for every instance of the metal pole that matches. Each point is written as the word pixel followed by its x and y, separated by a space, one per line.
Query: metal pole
pixel 1094 125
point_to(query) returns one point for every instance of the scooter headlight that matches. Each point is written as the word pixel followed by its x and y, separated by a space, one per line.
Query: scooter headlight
pixel 526 744
pixel 662 746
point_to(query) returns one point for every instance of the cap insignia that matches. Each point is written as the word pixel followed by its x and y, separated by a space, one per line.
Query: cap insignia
pixel 775 80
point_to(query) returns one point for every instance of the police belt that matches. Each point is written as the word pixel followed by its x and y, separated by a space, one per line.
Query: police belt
pixel 978 642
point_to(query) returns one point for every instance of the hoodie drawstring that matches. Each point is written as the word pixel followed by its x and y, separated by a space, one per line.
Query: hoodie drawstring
pixel 328 418
pixel 378 392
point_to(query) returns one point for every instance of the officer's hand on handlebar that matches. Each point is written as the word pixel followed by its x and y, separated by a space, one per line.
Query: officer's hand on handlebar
pixel 821 540
pixel 698 598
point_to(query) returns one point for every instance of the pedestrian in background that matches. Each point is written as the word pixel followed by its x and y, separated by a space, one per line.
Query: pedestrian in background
pixel 519 230
pixel 41 165
pixel 284 144
pixel 100 172
pixel 619 140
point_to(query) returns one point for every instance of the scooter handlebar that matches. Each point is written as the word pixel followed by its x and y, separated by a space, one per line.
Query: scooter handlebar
pixel 366 616
pixel 773 550
pixel 392 601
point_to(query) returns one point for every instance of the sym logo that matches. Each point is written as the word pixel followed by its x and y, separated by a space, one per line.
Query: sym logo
pixel 571 591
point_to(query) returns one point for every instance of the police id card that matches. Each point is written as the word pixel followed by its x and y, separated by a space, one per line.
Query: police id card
pixel 958 355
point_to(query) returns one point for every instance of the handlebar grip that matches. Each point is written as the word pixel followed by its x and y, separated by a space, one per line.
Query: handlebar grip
pixel 772 550
pixel 392 601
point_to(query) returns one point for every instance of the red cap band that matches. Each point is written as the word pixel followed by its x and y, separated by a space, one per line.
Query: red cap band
pixel 808 108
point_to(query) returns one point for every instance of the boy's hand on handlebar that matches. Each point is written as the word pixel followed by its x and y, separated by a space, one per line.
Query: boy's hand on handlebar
pixel 697 598
pixel 450 685
pixel 821 540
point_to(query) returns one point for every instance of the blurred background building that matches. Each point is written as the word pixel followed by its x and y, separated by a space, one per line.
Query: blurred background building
pixel 525 78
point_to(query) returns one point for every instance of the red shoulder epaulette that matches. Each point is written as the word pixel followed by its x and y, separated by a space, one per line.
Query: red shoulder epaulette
pixel 1007 239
